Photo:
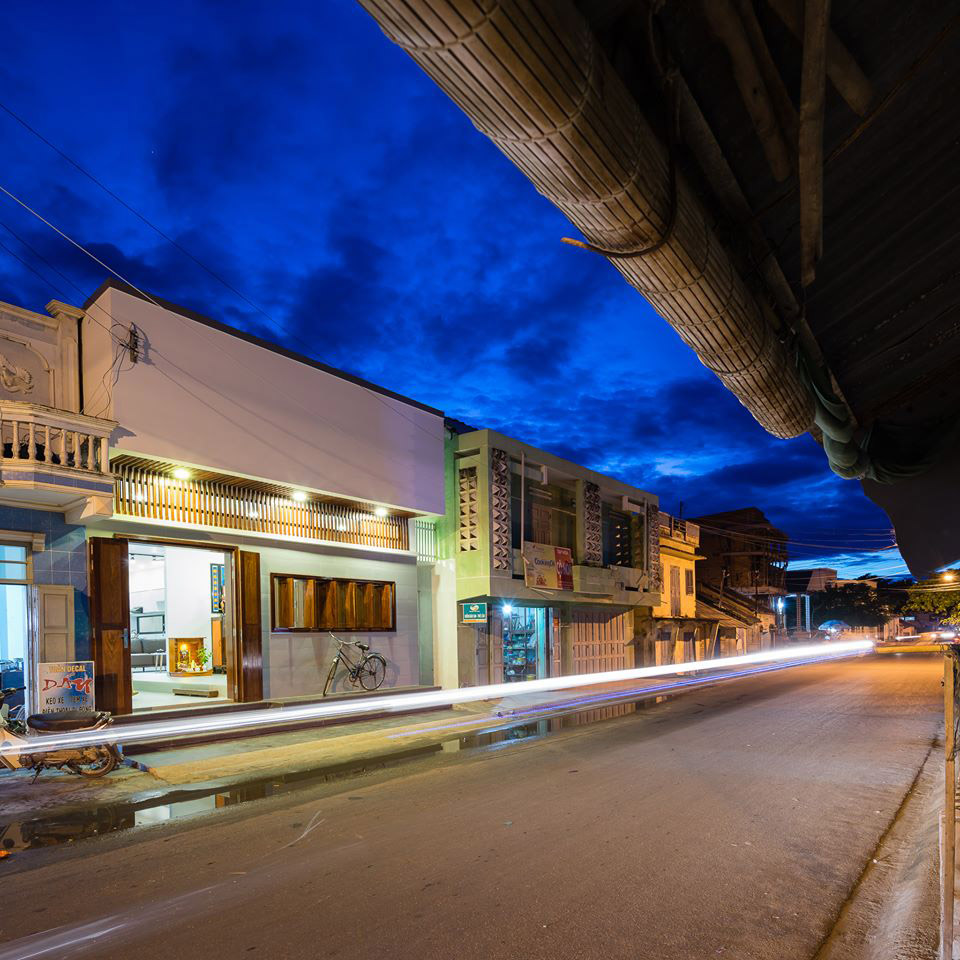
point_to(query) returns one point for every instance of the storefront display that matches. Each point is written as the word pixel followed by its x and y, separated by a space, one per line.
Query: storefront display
pixel 524 644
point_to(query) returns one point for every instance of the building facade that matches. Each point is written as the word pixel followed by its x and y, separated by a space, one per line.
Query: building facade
pixel 231 505
pixel 547 561
pixel 54 477
pixel 745 556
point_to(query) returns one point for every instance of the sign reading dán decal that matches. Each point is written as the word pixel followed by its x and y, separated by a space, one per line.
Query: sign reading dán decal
pixel 65 686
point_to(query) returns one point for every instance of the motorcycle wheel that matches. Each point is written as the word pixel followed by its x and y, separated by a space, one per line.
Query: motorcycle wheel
pixel 105 762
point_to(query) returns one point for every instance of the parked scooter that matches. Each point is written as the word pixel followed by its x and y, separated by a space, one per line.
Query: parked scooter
pixel 93 761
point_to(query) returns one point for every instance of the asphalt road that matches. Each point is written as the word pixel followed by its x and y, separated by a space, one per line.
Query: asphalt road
pixel 730 822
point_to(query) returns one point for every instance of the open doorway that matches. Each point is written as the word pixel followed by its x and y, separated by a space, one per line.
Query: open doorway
pixel 181 626
pixel 15 666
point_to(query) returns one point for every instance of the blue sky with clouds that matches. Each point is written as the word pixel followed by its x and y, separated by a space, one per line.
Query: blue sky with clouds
pixel 296 152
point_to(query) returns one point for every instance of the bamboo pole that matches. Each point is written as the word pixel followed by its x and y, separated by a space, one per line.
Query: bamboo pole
pixel 731 32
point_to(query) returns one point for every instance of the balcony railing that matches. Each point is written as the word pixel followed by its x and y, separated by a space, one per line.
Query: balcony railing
pixel 678 529
pixel 231 505
pixel 32 436
pixel 426 538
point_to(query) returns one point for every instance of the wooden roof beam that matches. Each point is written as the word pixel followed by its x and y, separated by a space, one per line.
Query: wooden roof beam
pixel 842 69
pixel 813 83
pixel 729 30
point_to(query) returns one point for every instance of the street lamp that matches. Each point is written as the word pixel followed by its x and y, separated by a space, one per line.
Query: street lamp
pixel 949 576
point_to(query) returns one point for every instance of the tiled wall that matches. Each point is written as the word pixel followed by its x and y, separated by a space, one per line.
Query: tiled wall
pixel 63 562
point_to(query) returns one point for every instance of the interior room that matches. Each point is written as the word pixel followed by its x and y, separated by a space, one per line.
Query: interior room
pixel 179 624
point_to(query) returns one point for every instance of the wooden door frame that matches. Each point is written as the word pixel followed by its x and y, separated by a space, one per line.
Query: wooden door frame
pixel 234 666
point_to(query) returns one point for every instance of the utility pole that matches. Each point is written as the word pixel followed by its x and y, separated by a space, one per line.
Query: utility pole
pixel 948 832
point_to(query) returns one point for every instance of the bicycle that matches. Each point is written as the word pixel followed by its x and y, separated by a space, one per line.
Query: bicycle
pixel 369 671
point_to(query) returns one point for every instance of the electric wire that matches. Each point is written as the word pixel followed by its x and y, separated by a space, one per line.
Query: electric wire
pixel 310 411
pixel 279 328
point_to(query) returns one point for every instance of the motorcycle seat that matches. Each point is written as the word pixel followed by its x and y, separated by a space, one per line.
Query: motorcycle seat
pixel 66 720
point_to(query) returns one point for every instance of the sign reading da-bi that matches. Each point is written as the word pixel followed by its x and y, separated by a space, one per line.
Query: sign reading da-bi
pixel 473 613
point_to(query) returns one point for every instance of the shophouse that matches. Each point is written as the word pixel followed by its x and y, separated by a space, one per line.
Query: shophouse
pixel 547 562
pixel 54 478
pixel 745 557
pixel 249 502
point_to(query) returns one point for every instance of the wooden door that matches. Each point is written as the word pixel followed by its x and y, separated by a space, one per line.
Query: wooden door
pixel 110 624
pixel 674 591
pixel 55 630
pixel 250 668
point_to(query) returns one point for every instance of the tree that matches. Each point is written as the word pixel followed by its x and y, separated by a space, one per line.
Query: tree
pixel 927 598
pixel 856 604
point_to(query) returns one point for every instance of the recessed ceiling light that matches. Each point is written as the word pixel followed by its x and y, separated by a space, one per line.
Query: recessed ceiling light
pixel 181 473
pixel 380 512
pixel 299 496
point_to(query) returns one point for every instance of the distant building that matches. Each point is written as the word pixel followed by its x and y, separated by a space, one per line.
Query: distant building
pixel 745 555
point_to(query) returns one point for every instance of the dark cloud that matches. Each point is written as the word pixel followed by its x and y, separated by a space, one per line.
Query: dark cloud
pixel 309 163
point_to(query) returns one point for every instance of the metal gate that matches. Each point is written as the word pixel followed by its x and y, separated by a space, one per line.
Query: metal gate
pixel 600 639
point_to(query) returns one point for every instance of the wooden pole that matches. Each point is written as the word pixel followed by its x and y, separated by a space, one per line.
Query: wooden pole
pixel 813 82
pixel 949 821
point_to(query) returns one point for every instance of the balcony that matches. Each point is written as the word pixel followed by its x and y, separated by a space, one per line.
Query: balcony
pixel 54 459
pixel 677 529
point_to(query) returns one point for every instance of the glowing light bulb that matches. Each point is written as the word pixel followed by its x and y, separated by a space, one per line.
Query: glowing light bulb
pixel 181 473
pixel 299 496
pixel 380 512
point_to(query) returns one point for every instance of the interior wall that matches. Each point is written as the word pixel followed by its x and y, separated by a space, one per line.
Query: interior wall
pixel 147 582
pixel 188 609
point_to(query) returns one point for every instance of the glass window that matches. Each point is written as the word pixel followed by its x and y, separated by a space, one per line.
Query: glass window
pixel 322 603
pixel 13 562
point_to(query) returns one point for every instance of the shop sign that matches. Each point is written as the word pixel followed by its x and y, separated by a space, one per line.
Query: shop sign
pixel 473 613
pixel 547 566
pixel 65 686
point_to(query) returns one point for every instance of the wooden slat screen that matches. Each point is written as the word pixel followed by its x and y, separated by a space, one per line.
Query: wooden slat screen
pixel 208 503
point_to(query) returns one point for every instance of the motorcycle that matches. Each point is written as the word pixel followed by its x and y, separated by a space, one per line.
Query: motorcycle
pixel 90 761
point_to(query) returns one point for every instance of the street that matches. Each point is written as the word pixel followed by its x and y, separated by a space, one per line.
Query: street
pixel 734 821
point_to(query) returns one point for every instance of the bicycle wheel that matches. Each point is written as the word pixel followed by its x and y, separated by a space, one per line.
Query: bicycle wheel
pixel 372 671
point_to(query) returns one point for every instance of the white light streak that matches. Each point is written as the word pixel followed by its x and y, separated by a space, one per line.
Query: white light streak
pixel 191 726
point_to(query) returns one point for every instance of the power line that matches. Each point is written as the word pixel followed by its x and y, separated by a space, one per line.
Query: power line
pixel 312 412
pixel 213 273
pixel 216 276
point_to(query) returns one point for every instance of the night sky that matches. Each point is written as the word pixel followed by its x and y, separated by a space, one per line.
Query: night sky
pixel 302 157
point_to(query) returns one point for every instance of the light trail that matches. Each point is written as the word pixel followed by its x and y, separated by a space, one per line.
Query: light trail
pixel 556 708
pixel 271 716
